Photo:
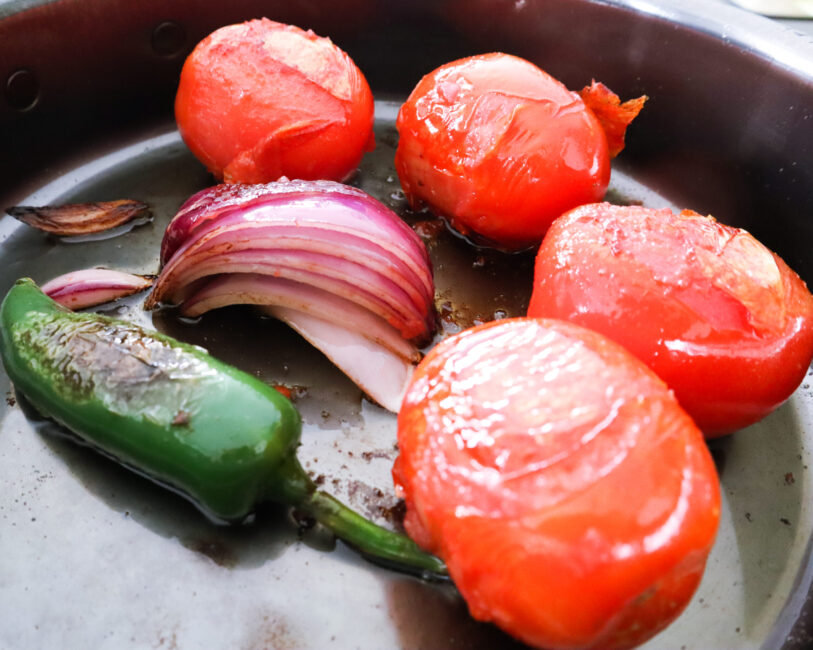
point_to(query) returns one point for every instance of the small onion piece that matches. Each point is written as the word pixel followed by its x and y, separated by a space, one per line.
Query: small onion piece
pixel 328 259
pixel 74 219
pixel 92 287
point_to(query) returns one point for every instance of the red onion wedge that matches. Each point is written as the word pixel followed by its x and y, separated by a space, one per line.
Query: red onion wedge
pixel 340 238
pixel 91 287
pixel 320 255
pixel 81 218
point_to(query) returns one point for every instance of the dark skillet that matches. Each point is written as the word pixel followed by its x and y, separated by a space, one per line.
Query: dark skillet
pixel 91 556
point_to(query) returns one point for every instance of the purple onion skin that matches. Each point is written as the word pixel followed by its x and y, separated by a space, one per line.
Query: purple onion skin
pixel 209 204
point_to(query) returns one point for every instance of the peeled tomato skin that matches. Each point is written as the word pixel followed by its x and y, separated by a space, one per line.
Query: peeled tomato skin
pixel 260 100
pixel 499 148
pixel 573 501
pixel 720 318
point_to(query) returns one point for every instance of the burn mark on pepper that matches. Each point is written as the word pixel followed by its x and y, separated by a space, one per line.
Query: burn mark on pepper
pixel 181 418
pixel 118 364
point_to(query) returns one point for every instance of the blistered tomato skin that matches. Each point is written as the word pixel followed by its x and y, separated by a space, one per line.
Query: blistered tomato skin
pixel 500 148
pixel 573 500
pixel 720 318
pixel 260 100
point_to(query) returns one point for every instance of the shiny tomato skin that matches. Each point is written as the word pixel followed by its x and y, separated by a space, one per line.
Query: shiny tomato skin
pixel 720 318
pixel 573 500
pixel 260 100
pixel 500 148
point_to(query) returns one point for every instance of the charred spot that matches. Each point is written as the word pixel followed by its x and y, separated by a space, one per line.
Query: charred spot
pixel 181 419
pixel 394 514
pixel 121 364
pixel 377 453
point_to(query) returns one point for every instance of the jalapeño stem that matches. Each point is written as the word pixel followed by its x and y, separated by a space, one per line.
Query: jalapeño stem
pixel 370 539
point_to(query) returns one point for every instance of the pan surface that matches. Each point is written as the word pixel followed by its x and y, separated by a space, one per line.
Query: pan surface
pixel 92 555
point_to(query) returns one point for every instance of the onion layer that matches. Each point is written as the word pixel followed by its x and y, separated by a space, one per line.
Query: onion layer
pixel 91 287
pixel 338 266
pixel 255 289
pixel 381 374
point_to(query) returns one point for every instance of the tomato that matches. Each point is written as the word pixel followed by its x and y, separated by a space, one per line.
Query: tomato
pixel 260 100
pixel 573 500
pixel 500 148
pixel 720 318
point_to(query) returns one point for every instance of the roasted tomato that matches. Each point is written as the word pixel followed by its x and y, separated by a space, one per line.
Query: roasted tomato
pixel 260 100
pixel 573 500
pixel 720 318
pixel 501 149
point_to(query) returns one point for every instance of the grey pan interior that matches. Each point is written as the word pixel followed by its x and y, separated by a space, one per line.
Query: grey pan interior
pixel 92 556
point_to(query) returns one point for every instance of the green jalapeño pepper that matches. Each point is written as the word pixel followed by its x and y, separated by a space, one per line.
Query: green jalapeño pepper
pixel 171 411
